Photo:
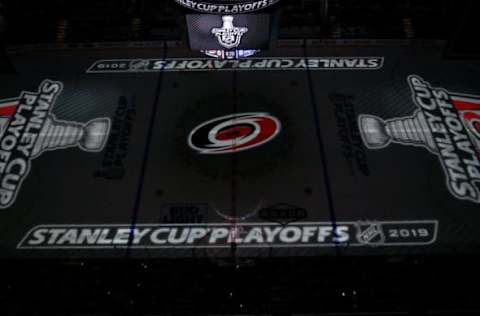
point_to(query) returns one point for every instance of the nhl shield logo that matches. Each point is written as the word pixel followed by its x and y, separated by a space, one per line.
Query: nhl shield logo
pixel 229 36
pixel 370 233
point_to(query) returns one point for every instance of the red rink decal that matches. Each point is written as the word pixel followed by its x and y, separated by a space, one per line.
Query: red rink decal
pixel 470 110
pixel 7 109
pixel 234 133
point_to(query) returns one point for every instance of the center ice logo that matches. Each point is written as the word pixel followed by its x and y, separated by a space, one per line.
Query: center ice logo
pixel 229 36
pixel 234 133
pixel 447 124
pixel 28 129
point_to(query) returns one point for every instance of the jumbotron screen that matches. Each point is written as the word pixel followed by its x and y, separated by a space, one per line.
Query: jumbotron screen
pixel 298 152
pixel 242 31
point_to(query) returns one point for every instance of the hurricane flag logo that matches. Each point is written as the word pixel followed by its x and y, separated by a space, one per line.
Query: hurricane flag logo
pixel 234 133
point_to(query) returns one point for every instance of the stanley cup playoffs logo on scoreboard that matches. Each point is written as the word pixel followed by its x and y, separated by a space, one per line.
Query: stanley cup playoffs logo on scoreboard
pixel 229 36
pixel 447 124
pixel 28 129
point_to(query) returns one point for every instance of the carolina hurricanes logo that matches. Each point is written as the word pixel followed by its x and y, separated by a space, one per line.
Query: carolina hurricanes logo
pixel 476 126
pixel 234 133
pixel 470 108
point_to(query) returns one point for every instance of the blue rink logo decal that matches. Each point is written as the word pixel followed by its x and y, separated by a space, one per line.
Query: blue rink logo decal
pixel 447 124
pixel 28 129
pixel 222 235
pixel 234 133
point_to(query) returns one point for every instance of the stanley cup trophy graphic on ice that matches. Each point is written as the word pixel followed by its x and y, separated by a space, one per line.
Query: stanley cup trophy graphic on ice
pixel 229 36
pixel 413 130
pixel 28 129
pixel 56 134
pixel 445 123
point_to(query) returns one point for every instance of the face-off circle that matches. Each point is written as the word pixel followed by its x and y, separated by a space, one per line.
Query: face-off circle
pixel 234 133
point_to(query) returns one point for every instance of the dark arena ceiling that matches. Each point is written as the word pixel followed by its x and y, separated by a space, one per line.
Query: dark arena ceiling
pixel 147 20
pixel 72 21
pixel 101 56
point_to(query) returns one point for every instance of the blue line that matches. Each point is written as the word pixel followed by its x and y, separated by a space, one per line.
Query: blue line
pixel 146 154
pixel 321 145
